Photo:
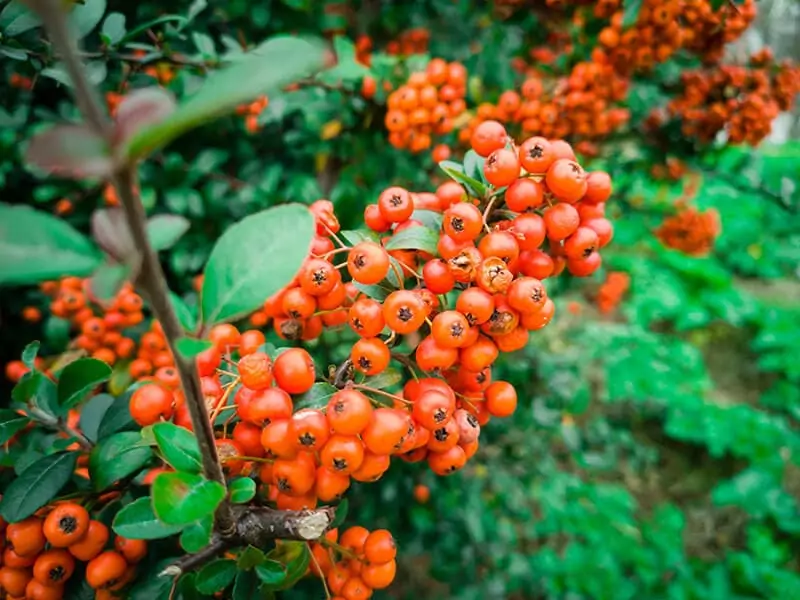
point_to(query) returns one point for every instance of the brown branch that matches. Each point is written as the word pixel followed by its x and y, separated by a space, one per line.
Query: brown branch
pixel 257 527
pixel 151 277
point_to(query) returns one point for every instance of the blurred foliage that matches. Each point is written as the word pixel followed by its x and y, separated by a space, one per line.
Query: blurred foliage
pixel 656 451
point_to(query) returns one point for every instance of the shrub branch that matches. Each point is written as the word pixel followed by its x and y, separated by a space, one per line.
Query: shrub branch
pixel 151 278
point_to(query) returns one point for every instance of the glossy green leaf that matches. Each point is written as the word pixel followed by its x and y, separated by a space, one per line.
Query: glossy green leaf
pixel 10 423
pixel 341 513
pixel 178 446
pixel 414 238
pixel 16 19
pixel 295 557
pixel 186 317
pixel 246 586
pixel 271 573
pixel 216 576
pixel 138 522
pixel 197 536
pixel 79 378
pixel 86 16
pixel 37 485
pixel 36 247
pixel 190 347
pixel 242 490
pixel 116 458
pixel 182 498
pixel 266 70
pixel 254 259
pixel 456 172
pixel 249 558
pixel 113 29
pixel 116 418
pixel 92 414
pixel 164 231
pixel 29 354
pixel 630 12
pixel 317 397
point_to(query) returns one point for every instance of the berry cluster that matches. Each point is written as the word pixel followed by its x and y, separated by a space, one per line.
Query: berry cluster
pixel 100 323
pixel 584 105
pixel 251 111
pixel 742 101
pixel 356 563
pixel 42 553
pixel 690 230
pixel 611 291
pixel 666 26
pixel 426 105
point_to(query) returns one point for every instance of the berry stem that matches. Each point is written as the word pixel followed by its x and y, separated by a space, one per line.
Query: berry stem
pixel 366 388
pixel 223 400
pixel 319 569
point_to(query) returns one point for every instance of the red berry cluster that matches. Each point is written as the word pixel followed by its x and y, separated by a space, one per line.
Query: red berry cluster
pixel 690 230
pixel 742 101
pixel 356 563
pixel 426 105
pixel 584 105
pixel 42 553
pixel 611 291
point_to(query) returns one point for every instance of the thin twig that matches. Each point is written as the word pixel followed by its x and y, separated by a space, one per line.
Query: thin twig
pixel 151 278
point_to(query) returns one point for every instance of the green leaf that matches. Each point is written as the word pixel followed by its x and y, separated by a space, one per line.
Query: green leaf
pixel 117 457
pixel 56 332
pixel 630 12
pixel 37 485
pixel 29 353
pixel 317 397
pixel 253 260
pixel 197 535
pixel 376 292
pixel 185 315
pixel 354 236
pixel 10 423
pixel 249 558
pixel 246 586
pixel 178 446
pixel 164 230
pixel 216 576
pixel 429 218
pixel 266 70
pixel 151 585
pixel 387 378
pixel 79 378
pixel 138 522
pixel 341 513
pixel 36 247
pixel 108 280
pixel 456 172
pixel 16 19
pixel 113 28
pixel 116 418
pixel 191 347
pixel 271 573
pixel 92 414
pixel 85 17
pixel 473 166
pixel 414 238
pixel 242 490
pixel 295 557
pixel 182 498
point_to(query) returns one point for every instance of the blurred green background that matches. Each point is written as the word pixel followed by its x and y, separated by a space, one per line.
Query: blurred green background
pixel 655 451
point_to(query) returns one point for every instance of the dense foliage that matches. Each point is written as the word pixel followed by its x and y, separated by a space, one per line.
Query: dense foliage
pixel 654 449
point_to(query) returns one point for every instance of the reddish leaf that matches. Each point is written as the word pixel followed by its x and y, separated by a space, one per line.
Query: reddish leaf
pixel 71 151
pixel 140 109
